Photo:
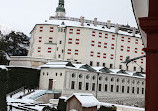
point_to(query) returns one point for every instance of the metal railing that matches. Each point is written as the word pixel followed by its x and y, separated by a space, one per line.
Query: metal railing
pixel 89 22
pixel 16 91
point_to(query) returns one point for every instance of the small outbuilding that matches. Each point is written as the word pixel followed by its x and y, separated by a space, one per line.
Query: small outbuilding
pixel 82 102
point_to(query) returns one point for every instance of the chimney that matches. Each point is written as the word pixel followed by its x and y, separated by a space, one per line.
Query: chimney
pixel 82 21
pixel 134 31
pixel 95 21
pixel 108 24
pixel 116 28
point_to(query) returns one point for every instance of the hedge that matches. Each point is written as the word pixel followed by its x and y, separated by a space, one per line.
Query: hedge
pixel 22 76
pixel 3 89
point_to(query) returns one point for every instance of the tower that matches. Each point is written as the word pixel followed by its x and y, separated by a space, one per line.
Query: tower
pixel 60 10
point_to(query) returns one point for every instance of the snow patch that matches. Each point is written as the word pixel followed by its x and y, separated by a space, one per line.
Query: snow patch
pixel 5 29
pixel 3 67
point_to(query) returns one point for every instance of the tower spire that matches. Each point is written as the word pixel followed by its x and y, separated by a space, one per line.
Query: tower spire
pixel 60 10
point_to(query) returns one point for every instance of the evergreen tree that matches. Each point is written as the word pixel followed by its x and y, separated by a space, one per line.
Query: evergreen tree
pixel 16 44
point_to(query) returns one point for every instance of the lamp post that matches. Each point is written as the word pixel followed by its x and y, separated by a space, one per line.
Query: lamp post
pixel 147 15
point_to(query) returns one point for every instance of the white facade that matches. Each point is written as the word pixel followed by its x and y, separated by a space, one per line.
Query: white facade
pixel 112 87
pixel 88 43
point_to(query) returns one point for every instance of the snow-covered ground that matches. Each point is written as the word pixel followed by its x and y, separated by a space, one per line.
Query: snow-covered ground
pixel 27 102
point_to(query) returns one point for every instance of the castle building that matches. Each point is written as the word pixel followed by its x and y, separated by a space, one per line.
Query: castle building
pixel 107 85
pixel 75 54
pixel 87 41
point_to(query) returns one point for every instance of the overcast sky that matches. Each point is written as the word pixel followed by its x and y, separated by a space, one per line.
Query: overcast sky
pixel 22 15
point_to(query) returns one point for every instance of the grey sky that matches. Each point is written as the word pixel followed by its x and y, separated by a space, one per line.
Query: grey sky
pixel 22 15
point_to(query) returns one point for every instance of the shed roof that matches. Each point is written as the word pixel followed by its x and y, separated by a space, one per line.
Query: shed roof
pixel 86 99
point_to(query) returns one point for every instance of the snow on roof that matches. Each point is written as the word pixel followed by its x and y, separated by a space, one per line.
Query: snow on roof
pixel 63 97
pixel 78 24
pixel 97 68
pixel 3 67
pixel 86 100
pixel 63 65
pixel 69 65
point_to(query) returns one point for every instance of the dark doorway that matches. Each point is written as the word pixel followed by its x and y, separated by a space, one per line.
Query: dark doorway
pixel 50 84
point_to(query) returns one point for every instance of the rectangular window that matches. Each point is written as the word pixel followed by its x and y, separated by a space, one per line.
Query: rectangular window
pixel 121 58
pixel 80 86
pixel 106 87
pixel 106 36
pixel 71 31
pixel 99 87
pixel 99 44
pixel 117 88
pixel 128 49
pixel 136 50
pixel 112 56
pixel 97 63
pixel 70 41
pixel 40 39
pixel 133 90
pixel 104 55
pixel 122 47
pixel 91 63
pixel 112 88
pixel 123 89
pixel 77 41
pixel 103 64
pixel 134 68
pixel 142 61
pixel 76 52
pixel 72 84
pixel 49 49
pixel 92 54
pixel 100 34
pixel 69 51
pixel 87 86
pixel 78 31
pixel 120 66
pixel 51 29
pixel 39 49
pixel 122 39
pixel 113 37
pixel 50 39
pixel 112 46
pixel 93 86
pixel 111 66
pixel 142 51
pixel 129 40
pixel 60 42
pixel 98 54
pixel 93 33
pixel 128 89
pixel 105 45
pixel 136 41
pixel 92 43
pixel 142 90
pixel 41 29
pixel 137 90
